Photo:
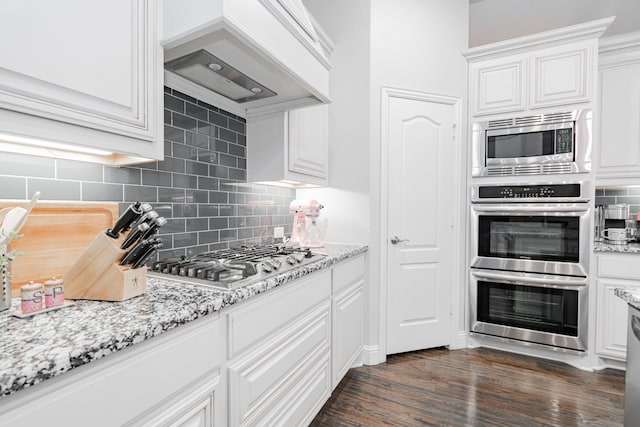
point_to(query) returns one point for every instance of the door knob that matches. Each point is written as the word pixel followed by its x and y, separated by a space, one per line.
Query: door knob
pixel 395 240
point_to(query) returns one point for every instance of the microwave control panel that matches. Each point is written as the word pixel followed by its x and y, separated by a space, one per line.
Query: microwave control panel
pixel 564 140
pixel 529 191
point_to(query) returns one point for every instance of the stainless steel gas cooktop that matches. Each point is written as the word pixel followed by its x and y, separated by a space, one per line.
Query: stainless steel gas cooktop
pixel 233 268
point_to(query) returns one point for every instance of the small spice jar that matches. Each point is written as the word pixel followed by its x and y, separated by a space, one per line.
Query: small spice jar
pixel 53 292
pixel 31 297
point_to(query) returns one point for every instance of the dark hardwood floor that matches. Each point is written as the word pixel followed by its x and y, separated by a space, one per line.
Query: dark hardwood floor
pixel 474 387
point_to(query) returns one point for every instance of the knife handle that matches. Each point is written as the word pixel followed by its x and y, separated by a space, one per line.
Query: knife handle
pixel 147 217
pixel 125 220
pixel 147 255
pixel 153 227
pixel 135 252
pixel 134 235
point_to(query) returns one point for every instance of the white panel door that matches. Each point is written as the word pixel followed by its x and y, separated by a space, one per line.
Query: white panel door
pixel 420 199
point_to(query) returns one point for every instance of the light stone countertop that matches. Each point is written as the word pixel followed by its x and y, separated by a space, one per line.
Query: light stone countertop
pixel 49 344
pixel 631 297
pixel 629 248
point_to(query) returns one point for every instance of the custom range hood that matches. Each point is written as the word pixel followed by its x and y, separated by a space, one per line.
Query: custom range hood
pixel 247 56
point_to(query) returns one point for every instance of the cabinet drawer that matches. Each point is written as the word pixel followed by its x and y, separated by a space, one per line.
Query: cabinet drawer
pixel 262 381
pixel 347 273
pixel 256 321
pixel 619 266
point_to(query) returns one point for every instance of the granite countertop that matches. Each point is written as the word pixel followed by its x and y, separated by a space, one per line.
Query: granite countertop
pixel 630 248
pixel 631 297
pixel 48 344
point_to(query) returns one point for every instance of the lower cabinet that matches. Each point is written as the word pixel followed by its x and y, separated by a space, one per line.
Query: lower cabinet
pixel 347 317
pixel 614 271
pixel 284 376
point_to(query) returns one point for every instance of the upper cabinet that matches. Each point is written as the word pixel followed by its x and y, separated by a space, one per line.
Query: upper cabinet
pixel 618 153
pixel 529 73
pixel 246 56
pixel 82 73
pixel 289 147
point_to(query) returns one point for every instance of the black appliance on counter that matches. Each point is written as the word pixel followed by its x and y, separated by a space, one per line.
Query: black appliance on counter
pixel 233 268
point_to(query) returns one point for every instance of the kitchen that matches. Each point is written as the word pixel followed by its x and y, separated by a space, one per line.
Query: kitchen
pixel 373 60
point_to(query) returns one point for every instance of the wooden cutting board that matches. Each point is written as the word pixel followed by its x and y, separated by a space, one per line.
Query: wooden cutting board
pixel 54 237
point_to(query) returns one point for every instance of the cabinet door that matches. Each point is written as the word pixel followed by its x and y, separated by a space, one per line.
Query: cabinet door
pixel 348 312
pixel 619 147
pixel 611 330
pixel 497 86
pixel 89 64
pixel 561 77
pixel 308 141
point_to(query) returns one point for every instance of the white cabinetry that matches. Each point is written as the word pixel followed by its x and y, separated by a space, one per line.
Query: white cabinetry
pixel 169 380
pixel 279 345
pixel 544 70
pixel 618 153
pixel 84 73
pixel 290 146
pixel 614 271
pixel 347 317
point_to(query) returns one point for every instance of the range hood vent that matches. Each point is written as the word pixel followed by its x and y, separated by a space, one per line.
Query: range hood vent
pixel 205 69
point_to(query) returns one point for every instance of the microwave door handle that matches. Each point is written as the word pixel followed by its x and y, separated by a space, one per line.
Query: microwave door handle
pixel 506 208
pixel 565 282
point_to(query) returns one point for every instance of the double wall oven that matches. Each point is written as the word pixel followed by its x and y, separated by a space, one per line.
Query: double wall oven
pixel 529 263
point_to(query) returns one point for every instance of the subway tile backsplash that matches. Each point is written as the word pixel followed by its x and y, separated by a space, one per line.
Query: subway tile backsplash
pixel 616 195
pixel 200 186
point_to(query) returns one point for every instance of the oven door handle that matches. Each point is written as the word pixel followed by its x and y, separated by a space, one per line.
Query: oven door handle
pixel 548 281
pixel 521 208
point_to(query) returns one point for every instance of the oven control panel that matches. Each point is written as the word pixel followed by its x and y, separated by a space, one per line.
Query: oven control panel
pixel 528 191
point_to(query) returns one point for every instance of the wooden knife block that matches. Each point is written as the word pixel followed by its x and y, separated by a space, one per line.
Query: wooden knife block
pixel 97 274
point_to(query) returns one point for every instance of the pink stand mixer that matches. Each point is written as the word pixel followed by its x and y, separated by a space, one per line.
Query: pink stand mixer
pixel 301 210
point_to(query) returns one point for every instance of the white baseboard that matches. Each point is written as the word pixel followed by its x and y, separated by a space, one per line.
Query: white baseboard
pixel 373 355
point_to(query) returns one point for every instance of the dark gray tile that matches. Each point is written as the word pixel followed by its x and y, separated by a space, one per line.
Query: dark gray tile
pixel 227 160
pixel 615 192
pixel 634 191
pixel 185 181
pixel 207 129
pixel 171 253
pixel 122 175
pixel 606 200
pixel 207 156
pixel 185 210
pixel 196 140
pixel 245 233
pixel 171 164
pixel 174 104
pixel 237 150
pixel 208 237
pixel 242 164
pixel 237 222
pixel 174 134
pixel 197 224
pixel 167 89
pixel 185 151
pixel 242 140
pixel 205 183
pixel 174 226
pixel 225 134
pixel 95 191
pixel 140 193
pixel 237 198
pixel 33 166
pixel 167 150
pixel 218 223
pixel 167 240
pixel 253 221
pixel 149 165
pixel 629 200
pixel 219 171
pixel 157 178
pixel 197 196
pixel 266 220
pixel 220 146
pixel 13 187
pixel 228 235
pixel 228 114
pixel 184 122
pixel 218 246
pixel 184 96
pixel 207 105
pixel 181 240
pixel 207 210
pixel 196 112
pixel 228 210
pixel 54 190
pixel 195 250
pixel 239 174
pixel 171 195
pixel 237 126
pixel 196 168
pixel 167 117
pixel 599 192
pixel 164 209
pixel 218 197
pixel 218 119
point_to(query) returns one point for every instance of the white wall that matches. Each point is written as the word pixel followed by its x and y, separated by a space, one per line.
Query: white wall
pixel 346 200
pixel 494 20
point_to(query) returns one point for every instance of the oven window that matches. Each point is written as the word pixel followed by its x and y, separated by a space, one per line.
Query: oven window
pixel 529 144
pixel 543 238
pixel 529 307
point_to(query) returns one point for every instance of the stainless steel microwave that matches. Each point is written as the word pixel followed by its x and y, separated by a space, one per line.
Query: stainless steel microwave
pixel 533 145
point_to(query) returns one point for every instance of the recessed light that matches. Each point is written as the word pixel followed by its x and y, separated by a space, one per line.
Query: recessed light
pixel 214 66
pixel 256 90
